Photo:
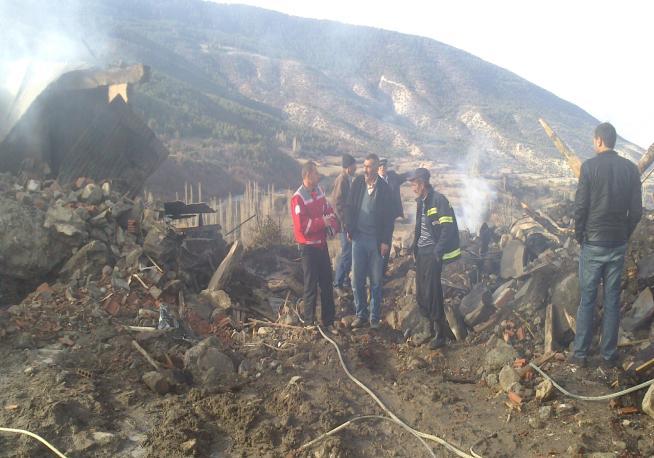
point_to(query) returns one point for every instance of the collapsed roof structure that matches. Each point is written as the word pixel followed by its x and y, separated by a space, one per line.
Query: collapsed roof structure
pixel 81 125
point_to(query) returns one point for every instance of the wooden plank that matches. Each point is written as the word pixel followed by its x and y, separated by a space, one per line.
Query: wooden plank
pixel 549 329
pixel 570 156
pixel 223 274
pixel 647 365
pixel 646 159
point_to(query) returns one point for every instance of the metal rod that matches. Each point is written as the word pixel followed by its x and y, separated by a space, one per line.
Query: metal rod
pixel 236 228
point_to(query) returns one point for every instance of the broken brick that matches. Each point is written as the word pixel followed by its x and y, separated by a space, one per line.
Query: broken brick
pixel 629 410
pixel 515 398
pixel 112 306
pixel 43 287
pixel 520 362
pixel 520 333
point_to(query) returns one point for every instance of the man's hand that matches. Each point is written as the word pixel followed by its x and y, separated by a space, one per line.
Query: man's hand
pixel 349 237
pixel 328 219
pixel 384 249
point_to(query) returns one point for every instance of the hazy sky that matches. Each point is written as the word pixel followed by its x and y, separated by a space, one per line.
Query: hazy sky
pixel 597 54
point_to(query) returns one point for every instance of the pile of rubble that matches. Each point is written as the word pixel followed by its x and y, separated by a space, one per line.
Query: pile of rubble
pixel 519 299
pixel 100 284
pixel 92 248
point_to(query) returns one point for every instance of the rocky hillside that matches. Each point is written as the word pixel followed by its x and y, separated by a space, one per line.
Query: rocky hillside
pixel 267 81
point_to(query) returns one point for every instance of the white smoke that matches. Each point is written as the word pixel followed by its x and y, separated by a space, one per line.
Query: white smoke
pixel 40 41
pixel 477 194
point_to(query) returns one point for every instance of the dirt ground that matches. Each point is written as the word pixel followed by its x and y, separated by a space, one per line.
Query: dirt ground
pixel 79 386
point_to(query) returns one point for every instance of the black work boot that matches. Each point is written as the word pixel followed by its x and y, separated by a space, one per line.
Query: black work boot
pixel 439 340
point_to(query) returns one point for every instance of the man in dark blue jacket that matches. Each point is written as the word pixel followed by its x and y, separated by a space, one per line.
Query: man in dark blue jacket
pixel 608 206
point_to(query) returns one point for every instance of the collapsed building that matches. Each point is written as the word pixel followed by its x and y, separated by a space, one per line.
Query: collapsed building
pixel 74 168
pixel 82 126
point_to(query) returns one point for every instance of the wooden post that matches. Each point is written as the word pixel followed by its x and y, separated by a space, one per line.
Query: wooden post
pixel 573 160
pixel 646 160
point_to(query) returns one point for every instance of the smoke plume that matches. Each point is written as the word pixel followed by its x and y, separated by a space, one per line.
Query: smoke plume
pixel 477 194
pixel 41 40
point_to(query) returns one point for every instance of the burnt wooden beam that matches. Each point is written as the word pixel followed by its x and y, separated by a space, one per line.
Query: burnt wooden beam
pixel 570 156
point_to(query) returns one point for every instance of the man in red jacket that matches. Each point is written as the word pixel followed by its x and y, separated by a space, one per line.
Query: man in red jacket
pixel 313 220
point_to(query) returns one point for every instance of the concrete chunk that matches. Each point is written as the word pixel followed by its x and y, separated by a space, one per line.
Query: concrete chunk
pixel 207 363
pixel 477 305
pixel 504 294
pixel 92 194
pixel 408 318
pixel 641 312
pixel 500 356
pixel 512 264
pixel 477 296
pixel 646 269
pixel 565 293
pixel 508 377
pixel 90 260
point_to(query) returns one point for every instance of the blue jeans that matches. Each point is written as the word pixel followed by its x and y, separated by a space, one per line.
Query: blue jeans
pixel 595 263
pixel 367 263
pixel 344 264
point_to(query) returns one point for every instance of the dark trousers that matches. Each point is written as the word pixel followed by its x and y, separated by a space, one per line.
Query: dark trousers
pixel 317 269
pixel 429 290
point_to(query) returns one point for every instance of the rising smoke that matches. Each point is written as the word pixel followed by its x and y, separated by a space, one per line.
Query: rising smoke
pixel 40 41
pixel 477 194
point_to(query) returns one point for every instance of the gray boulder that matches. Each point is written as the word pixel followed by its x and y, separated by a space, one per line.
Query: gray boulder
pixel 535 292
pixel 503 354
pixel 207 363
pixel 92 194
pixel 477 306
pixel 646 270
pixel 641 312
pixel 508 377
pixel 408 318
pixel 65 220
pixel 28 250
pixel 565 293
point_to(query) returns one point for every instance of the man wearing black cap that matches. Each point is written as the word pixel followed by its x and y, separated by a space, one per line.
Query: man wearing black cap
pixel 394 180
pixel 339 197
pixel 436 242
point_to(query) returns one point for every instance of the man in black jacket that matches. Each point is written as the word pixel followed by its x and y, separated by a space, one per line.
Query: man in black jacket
pixel 608 206
pixel 394 180
pixel 369 224
pixel 436 241
pixel 339 198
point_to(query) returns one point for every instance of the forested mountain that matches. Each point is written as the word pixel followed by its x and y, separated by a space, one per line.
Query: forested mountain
pixel 237 88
